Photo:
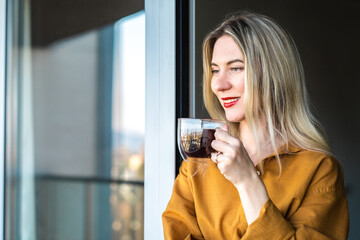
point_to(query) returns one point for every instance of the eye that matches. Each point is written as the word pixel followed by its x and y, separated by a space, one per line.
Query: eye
pixel 236 69
pixel 214 71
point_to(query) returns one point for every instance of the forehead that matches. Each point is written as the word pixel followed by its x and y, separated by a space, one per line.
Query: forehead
pixel 225 49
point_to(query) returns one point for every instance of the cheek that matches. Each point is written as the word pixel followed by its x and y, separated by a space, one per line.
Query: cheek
pixel 242 84
pixel 212 86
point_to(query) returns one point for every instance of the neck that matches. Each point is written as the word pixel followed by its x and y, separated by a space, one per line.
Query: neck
pixel 249 142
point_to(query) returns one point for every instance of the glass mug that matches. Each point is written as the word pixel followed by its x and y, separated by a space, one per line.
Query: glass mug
pixel 194 137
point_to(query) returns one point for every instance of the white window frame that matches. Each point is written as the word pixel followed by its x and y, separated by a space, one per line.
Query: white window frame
pixel 2 111
pixel 160 139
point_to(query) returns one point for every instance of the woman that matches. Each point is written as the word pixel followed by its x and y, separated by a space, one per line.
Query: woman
pixel 274 176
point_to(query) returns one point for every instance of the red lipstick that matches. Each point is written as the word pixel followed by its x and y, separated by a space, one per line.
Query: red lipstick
pixel 230 101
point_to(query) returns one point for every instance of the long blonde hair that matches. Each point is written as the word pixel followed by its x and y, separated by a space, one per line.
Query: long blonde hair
pixel 275 89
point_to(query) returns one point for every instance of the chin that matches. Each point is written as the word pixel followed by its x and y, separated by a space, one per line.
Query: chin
pixel 234 118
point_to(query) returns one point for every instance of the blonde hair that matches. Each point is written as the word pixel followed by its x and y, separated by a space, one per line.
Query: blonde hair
pixel 275 91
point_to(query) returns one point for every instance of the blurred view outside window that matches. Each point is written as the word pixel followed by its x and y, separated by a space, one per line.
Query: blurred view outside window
pixel 75 119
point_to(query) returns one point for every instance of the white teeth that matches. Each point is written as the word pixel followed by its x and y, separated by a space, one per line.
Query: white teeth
pixel 231 100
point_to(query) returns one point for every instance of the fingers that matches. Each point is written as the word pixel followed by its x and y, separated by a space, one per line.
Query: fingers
pixel 214 157
pixel 222 164
pixel 221 146
pixel 221 158
pixel 224 136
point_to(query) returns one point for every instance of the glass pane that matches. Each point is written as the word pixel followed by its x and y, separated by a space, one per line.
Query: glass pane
pixel 129 98
pixel 75 120
pixel 81 215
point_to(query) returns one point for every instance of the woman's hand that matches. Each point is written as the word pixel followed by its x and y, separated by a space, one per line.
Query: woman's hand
pixel 233 161
pixel 235 165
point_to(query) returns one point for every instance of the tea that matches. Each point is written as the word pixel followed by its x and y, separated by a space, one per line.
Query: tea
pixel 198 144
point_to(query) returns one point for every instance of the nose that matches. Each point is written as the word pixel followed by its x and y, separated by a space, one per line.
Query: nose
pixel 220 82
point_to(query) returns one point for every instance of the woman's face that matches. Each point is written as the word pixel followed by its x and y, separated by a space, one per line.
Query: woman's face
pixel 228 77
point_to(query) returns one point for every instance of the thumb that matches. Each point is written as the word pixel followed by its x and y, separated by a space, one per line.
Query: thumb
pixel 225 127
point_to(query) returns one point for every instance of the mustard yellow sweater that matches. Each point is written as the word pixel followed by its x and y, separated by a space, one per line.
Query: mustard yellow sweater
pixel 307 201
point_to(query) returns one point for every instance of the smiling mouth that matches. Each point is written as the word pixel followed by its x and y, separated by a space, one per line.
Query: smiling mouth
pixel 230 101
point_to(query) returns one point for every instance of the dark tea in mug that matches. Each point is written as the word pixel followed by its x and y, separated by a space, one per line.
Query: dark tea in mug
pixel 198 144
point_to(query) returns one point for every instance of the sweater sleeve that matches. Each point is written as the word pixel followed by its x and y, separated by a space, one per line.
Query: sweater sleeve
pixel 179 218
pixel 323 213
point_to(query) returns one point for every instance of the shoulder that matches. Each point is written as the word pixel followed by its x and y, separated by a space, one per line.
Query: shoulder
pixel 318 161
pixel 302 158
pixel 324 170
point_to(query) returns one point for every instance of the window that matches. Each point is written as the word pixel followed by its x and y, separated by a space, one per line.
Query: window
pixel 59 141
pixel 75 121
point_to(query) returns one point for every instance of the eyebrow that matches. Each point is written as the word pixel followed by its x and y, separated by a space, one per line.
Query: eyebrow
pixel 229 62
